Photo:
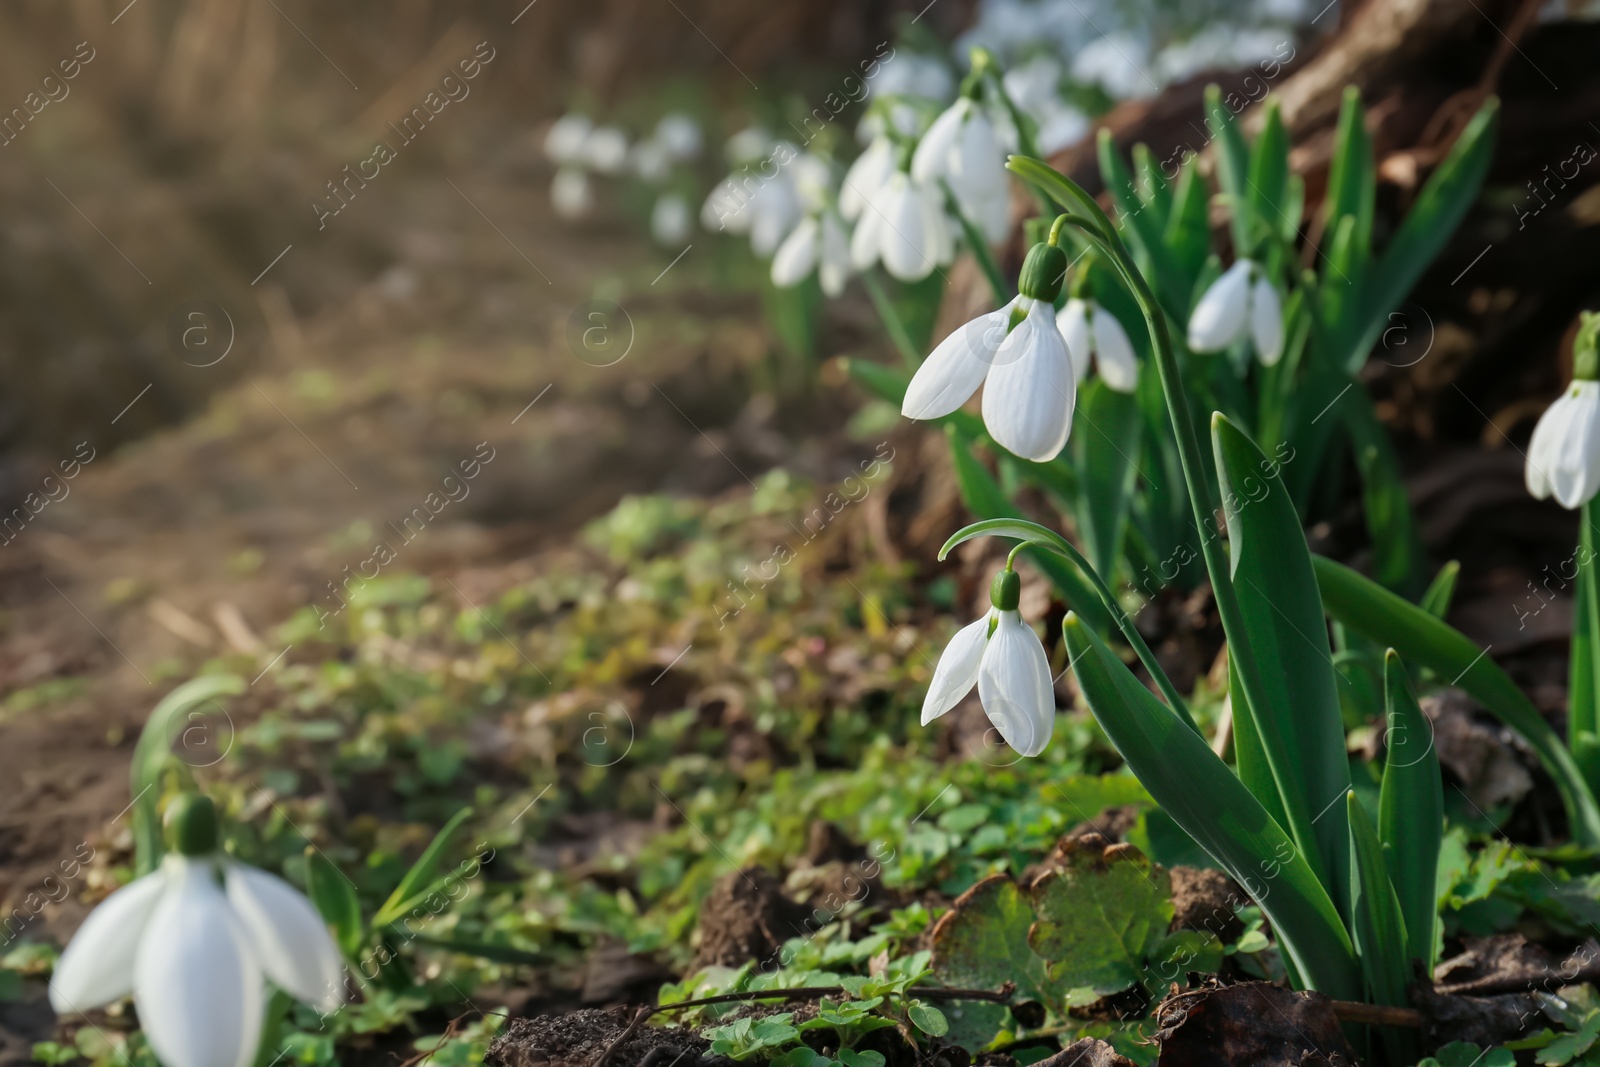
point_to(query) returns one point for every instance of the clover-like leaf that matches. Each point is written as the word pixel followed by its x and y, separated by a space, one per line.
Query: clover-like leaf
pixel 928 1019
pixel 982 942
pixel 1101 916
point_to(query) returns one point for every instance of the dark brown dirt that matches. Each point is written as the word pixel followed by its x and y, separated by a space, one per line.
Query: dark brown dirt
pixel 747 916
pixel 1205 899
pixel 577 1038
pixel 1250 1023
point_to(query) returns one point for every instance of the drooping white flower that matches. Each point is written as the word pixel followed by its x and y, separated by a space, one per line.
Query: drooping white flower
pixel 961 148
pixel 748 144
pixel 818 244
pixel 606 149
pixel 865 176
pixel 1019 356
pixel 1005 659
pixel 904 227
pixel 679 135
pixel 1564 453
pixel 564 143
pixel 570 194
pixel 669 219
pixel 194 943
pixel 1092 331
pixel 774 209
pixel 1241 302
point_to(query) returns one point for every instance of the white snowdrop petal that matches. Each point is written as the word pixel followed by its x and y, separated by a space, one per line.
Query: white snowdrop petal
pixel 834 257
pixel 797 256
pixel 864 241
pixel 957 670
pixel 1572 472
pixel 932 158
pixel 1113 352
pixel 955 369
pixel 1541 449
pixel 196 982
pixel 97 965
pixel 1073 322
pixel 1014 685
pixel 903 240
pixel 570 194
pixel 865 176
pixel 1028 397
pixel 1266 322
pixel 287 935
pixel 1221 316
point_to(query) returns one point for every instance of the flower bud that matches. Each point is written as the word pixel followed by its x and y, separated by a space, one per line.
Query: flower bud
pixel 1042 273
pixel 1006 590
pixel 1586 348
pixel 191 823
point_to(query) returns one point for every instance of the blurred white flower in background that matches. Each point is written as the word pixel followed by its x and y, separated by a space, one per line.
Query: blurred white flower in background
pixel 1094 334
pixel 606 149
pixel 1241 303
pixel 564 141
pixel 651 162
pixel 670 219
pixel 570 193
pixel 821 244
pixel 962 149
pixel 870 170
pixel 908 73
pixel 679 135
pixel 903 226
pixel 1119 63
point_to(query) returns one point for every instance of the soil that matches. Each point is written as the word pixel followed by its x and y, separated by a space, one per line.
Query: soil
pixel 577 1038
pixel 1204 898
pixel 747 916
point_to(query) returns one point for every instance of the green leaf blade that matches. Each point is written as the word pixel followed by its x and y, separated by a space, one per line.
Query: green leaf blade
pixel 1368 608
pixel 1411 811
pixel 1296 711
pixel 1204 797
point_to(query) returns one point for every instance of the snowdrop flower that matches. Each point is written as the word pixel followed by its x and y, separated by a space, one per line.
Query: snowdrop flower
pixel 962 149
pixel 1242 301
pixel 774 209
pixel 913 74
pixel 194 942
pixel 819 244
pixel 1005 659
pixel 1564 453
pixel 1117 63
pixel 1021 359
pixel 679 135
pixel 1091 330
pixel 865 176
pixel 903 226
pixel 606 149
pixel 749 143
pixel 669 219
pixel 570 194
pixel 564 143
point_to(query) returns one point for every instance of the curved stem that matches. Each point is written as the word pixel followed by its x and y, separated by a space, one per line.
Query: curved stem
pixel 1032 534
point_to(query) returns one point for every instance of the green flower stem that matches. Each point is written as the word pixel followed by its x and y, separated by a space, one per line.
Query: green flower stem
pixel 1099 229
pixel 1037 536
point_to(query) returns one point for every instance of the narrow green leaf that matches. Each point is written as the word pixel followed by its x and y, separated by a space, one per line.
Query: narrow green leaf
pixel 1269 169
pixel 1411 811
pixel 1396 548
pixel 1202 796
pixel 1064 192
pixel 1297 717
pixel 1439 208
pixel 1250 760
pixel 1367 607
pixel 336 901
pixel 1233 166
pixel 154 749
pixel 1105 451
pixel 1583 691
pixel 1352 181
pixel 1436 599
pixel 1154 190
pixel 1380 933
pixel 421 874
pixel 1188 232
pixel 1141 223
